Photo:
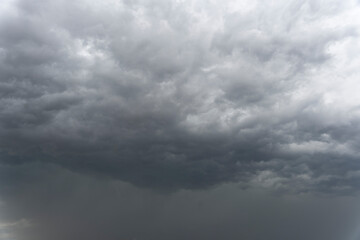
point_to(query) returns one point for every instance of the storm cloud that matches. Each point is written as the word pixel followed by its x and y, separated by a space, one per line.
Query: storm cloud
pixel 182 94
pixel 175 97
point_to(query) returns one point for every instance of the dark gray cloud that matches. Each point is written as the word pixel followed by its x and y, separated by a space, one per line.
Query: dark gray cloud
pixel 176 96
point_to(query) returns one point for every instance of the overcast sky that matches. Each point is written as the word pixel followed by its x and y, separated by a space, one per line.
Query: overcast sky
pixel 179 119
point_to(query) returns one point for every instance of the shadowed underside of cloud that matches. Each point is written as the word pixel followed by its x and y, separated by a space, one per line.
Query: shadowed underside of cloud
pixel 184 94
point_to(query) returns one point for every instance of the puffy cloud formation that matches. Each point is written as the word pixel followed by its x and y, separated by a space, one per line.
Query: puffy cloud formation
pixel 184 94
pixel 179 119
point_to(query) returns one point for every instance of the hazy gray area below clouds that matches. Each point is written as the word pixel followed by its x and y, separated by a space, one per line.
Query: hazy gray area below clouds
pixel 65 205
pixel 179 119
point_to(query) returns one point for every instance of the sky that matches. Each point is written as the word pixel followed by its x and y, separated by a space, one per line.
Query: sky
pixel 179 119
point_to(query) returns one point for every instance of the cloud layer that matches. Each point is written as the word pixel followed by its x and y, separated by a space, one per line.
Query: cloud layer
pixel 184 119
pixel 184 94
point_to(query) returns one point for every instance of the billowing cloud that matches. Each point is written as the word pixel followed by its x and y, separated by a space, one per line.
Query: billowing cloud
pixel 179 119
pixel 184 94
